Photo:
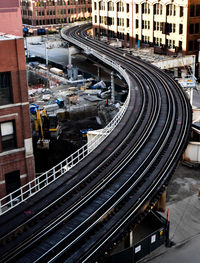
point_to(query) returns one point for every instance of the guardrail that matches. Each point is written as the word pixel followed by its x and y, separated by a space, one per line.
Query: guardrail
pixel 31 188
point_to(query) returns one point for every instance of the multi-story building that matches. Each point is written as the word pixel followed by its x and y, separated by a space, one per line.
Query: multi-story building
pixel 170 26
pixel 16 152
pixel 52 12
pixel 10 17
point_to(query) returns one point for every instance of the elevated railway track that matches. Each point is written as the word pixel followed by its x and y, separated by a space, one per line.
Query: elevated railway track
pixel 84 212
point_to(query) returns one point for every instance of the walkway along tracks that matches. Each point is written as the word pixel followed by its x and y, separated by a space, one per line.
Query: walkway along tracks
pixel 158 133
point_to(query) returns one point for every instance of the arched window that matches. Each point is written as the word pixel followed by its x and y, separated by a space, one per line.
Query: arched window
pixel 110 6
pixel 171 10
pixel 101 5
pixel 120 7
pixel 145 8
pixel 157 9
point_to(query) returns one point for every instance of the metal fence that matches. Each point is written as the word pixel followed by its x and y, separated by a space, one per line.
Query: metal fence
pixel 31 188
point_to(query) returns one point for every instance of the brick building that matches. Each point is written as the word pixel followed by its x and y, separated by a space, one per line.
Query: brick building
pixel 16 154
pixel 199 59
pixel 169 26
pixel 42 13
pixel 10 17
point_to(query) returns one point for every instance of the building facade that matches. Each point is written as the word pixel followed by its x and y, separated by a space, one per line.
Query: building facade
pixel 42 13
pixel 16 153
pixel 169 26
pixel 10 17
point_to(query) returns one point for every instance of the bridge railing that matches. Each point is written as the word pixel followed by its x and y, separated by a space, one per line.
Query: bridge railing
pixel 31 188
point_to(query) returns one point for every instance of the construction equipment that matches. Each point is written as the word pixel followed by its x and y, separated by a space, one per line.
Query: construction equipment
pixel 46 128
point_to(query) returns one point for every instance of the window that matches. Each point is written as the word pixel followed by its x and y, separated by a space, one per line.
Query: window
pixel 190 48
pixel 120 35
pixel 157 9
pixel 111 34
pixel 102 32
pixel 197 10
pixel 145 24
pixel 137 8
pixel 8 138
pixel 171 10
pixel 170 28
pixel 192 10
pixel 158 26
pixel 5 88
pixel 102 6
pixel 120 21
pixel 127 37
pixel 127 8
pixel 173 28
pixel 180 29
pixel 95 6
pixel 137 23
pixel 120 7
pixel 145 8
pixel 157 41
pixel 170 43
pixel 191 29
pixel 110 6
pixel 196 28
pixel 181 11
pixel 127 22
pixel 95 19
pixel 145 39
pixel 110 20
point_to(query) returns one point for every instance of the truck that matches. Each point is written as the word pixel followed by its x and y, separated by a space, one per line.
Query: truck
pixel 56 71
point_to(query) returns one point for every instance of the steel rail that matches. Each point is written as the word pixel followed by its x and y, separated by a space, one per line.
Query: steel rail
pixel 104 180
pixel 182 140
pixel 152 188
pixel 115 173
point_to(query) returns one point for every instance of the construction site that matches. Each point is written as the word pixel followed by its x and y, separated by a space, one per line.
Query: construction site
pixel 67 103
pixel 82 95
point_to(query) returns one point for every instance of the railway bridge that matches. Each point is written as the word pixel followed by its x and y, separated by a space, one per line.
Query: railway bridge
pixel 80 208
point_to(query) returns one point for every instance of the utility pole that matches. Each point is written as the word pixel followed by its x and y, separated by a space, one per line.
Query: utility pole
pixel 46 53
pixel 112 88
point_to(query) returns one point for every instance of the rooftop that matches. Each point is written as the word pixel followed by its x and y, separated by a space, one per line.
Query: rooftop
pixel 4 36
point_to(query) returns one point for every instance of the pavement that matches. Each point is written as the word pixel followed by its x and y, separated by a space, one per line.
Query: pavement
pixel 184 219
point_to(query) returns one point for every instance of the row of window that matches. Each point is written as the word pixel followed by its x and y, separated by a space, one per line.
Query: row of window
pixel 7 129
pixel 194 10
pixel 171 9
pixel 165 28
pixel 62 12
pixel 59 3
pixel 110 6
pixel 54 21
pixel 170 43
pixel 27 12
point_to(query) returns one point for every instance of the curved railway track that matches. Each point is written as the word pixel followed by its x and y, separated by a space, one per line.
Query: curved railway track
pixel 81 217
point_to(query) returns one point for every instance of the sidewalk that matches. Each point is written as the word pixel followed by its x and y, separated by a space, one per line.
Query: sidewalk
pixel 184 226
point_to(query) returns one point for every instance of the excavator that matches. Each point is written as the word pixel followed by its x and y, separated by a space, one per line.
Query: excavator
pixel 46 128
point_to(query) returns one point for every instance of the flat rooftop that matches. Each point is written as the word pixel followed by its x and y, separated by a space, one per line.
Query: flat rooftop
pixel 4 36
